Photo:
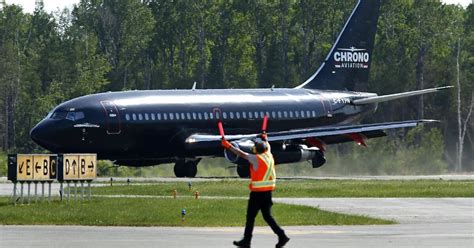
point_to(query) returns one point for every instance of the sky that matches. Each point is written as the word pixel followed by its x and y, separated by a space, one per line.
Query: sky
pixel 52 5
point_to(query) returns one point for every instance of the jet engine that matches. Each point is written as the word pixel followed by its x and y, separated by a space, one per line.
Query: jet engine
pixel 282 154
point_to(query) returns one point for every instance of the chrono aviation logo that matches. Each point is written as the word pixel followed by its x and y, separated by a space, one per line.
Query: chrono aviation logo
pixel 351 58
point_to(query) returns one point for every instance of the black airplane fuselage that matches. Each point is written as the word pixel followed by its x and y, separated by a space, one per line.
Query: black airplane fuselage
pixel 152 125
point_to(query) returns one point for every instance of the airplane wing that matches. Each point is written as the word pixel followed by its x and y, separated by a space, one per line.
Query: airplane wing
pixel 328 135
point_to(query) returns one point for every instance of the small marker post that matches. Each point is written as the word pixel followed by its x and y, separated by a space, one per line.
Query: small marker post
pixel 183 214
pixel 175 193
pixel 190 185
pixel 196 195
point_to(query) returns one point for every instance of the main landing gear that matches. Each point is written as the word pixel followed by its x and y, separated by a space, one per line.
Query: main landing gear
pixel 243 171
pixel 186 168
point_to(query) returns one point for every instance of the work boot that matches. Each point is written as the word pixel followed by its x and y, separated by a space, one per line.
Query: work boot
pixel 282 240
pixel 243 243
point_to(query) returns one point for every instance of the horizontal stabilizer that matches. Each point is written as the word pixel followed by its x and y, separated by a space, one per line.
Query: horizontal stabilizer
pixel 377 99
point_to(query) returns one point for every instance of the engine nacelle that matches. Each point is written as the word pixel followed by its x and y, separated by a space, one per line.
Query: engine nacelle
pixel 245 146
pixel 299 153
pixel 282 155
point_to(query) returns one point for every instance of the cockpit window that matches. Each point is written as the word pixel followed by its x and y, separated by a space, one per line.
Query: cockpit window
pixel 59 115
pixel 74 116
pixel 71 115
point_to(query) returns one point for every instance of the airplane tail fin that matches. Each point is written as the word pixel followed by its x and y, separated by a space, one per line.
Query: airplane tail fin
pixel 347 65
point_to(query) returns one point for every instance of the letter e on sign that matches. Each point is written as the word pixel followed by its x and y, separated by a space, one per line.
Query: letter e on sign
pixel 24 167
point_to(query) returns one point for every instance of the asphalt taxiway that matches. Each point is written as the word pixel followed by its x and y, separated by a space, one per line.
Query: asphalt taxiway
pixel 424 222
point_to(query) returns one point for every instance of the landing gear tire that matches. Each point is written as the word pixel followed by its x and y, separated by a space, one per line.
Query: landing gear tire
pixel 191 170
pixel 180 168
pixel 243 171
pixel 184 168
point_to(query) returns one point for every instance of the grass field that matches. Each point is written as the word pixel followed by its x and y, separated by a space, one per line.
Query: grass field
pixel 165 212
pixel 209 212
pixel 306 188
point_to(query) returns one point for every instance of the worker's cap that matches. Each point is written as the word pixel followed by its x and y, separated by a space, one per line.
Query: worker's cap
pixel 259 146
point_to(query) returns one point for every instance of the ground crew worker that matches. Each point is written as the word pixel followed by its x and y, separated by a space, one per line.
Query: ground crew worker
pixel 262 183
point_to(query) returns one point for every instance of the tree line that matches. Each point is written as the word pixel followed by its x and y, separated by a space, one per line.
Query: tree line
pixel 106 45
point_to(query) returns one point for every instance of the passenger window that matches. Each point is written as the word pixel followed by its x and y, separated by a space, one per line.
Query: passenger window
pixel 224 115
pixel 279 114
pixel 308 113
pixel 188 115
pixel 256 115
pixel 314 113
pixel 177 116
pixel 182 116
pixel 206 116
pixel 140 117
pixel 134 116
pixel 211 116
pixel 285 114
pixel 273 115
pixel 194 116
pixel 231 114
pixel 302 114
pixel 244 115
pixel 199 116
pixel 297 114
pixel 237 115
pixel 218 116
pixel 262 115
pixel 146 116
pixel 171 116
pixel 152 116
pixel 127 117
pixel 165 116
pixel 291 114
pixel 158 116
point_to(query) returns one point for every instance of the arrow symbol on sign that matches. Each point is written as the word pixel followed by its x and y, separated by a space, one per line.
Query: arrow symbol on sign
pixel 21 167
pixel 37 167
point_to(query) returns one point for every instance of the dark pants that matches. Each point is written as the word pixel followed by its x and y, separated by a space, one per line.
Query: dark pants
pixel 261 201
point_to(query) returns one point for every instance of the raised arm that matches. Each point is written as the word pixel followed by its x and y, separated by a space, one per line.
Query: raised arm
pixel 227 145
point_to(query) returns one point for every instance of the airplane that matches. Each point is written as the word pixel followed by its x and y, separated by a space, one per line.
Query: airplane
pixel 151 127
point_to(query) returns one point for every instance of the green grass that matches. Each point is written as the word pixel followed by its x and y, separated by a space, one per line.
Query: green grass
pixel 165 212
pixel 306 188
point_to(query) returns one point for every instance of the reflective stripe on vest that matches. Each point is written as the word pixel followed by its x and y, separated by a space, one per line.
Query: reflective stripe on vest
pixel 264 178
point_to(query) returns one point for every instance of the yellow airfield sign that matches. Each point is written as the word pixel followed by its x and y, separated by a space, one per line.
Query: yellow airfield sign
pixel 77 167
pixel 32 167
pixel 45 167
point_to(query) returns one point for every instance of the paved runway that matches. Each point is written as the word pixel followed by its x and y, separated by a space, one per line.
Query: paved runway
pixel 425 222
pixel 407 235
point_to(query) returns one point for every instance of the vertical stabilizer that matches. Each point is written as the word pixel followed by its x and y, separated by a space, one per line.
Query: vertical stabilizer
pixel 347 65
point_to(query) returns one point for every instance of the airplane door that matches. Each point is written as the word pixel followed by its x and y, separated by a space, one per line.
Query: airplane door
pixel 327 106
pixel 112 117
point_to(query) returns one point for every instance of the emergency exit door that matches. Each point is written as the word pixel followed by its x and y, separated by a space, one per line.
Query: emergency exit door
pixel 112 117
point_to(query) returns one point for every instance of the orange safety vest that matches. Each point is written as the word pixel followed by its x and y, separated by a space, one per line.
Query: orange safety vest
pixel 264 178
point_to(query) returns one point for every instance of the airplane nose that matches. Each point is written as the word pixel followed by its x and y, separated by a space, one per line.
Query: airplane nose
pixel 40 134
